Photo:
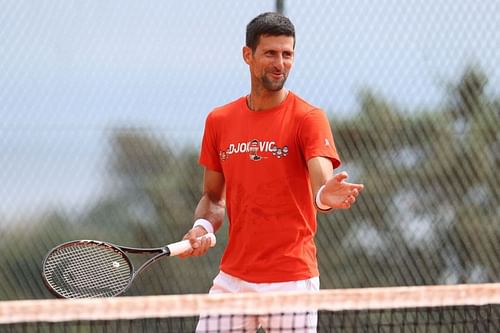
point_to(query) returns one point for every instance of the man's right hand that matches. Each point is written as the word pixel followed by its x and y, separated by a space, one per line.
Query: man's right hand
pixel 198 246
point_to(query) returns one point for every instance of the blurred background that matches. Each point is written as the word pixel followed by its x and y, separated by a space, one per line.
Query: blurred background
pixel 102 106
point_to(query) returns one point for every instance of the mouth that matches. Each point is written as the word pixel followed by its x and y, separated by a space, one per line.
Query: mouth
pixel 274 80
pixel 278 75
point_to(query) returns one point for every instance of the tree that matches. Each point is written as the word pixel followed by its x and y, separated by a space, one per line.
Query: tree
pixel 427 214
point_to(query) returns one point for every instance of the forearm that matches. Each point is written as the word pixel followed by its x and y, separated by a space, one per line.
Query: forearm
pixel 212 209
pixel 320 171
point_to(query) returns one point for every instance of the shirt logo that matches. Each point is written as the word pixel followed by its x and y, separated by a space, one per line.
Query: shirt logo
pixel 280 152
pixel 253 150
pixel 256 150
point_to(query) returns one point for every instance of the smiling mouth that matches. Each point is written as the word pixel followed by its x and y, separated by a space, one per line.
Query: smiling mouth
pixel 274 80
pixel 278 75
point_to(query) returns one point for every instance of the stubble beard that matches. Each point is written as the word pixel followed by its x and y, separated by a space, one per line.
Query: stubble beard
pixel 273 85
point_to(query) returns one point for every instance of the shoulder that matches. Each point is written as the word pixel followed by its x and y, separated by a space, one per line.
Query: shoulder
pixel 301 103
pixel 227 109
pixel 304 109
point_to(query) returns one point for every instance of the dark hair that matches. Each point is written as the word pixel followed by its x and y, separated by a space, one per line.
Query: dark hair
pixel 270 24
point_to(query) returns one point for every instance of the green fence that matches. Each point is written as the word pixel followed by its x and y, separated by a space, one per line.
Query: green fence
pixel 103 104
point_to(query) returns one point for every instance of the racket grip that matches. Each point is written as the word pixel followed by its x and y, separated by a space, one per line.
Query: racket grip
pixel 185 245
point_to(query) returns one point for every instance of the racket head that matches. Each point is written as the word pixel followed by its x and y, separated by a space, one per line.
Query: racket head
pixel 87 269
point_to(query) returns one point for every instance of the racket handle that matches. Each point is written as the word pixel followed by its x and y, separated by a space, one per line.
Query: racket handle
pixel 185 245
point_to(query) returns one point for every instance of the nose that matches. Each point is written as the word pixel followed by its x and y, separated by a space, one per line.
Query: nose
pixel 279 62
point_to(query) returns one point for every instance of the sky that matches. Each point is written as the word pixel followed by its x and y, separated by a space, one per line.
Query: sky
pixel 74 70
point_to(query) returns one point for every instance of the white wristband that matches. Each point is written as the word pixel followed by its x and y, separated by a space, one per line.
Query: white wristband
pixel 205 224
pixel 318 202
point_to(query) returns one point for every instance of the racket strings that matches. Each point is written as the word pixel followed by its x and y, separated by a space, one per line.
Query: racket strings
pixel 87 270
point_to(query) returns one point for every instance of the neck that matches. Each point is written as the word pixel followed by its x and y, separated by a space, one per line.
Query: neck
pixel 263 100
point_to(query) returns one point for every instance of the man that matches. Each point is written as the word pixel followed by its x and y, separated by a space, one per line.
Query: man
pixel 269 160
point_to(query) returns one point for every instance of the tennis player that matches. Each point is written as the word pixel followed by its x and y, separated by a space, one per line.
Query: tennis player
pixel 268 159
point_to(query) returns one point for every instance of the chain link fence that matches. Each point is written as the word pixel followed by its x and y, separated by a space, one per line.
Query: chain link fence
pixel 103 105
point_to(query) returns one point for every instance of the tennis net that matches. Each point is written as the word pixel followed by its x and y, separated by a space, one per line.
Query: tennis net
pixel 448 308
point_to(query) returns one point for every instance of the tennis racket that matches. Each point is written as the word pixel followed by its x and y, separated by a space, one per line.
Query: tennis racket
pixel 93 269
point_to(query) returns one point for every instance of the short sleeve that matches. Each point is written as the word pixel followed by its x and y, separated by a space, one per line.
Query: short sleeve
pixel 209 153
pixel 316 138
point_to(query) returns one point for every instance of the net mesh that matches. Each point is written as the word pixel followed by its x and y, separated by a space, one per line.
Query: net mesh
pixel 459 308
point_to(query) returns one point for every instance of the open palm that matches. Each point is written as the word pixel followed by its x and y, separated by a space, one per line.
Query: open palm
pixel 338 193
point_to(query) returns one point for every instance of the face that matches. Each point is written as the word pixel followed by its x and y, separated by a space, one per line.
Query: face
pixel 271 62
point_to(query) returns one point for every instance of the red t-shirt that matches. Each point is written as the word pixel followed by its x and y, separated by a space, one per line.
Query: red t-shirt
pixel 263 156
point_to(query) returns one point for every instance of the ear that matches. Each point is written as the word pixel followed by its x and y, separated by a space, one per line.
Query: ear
pixel 247 54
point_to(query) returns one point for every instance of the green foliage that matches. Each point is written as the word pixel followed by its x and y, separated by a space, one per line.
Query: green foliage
pixel 429 213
